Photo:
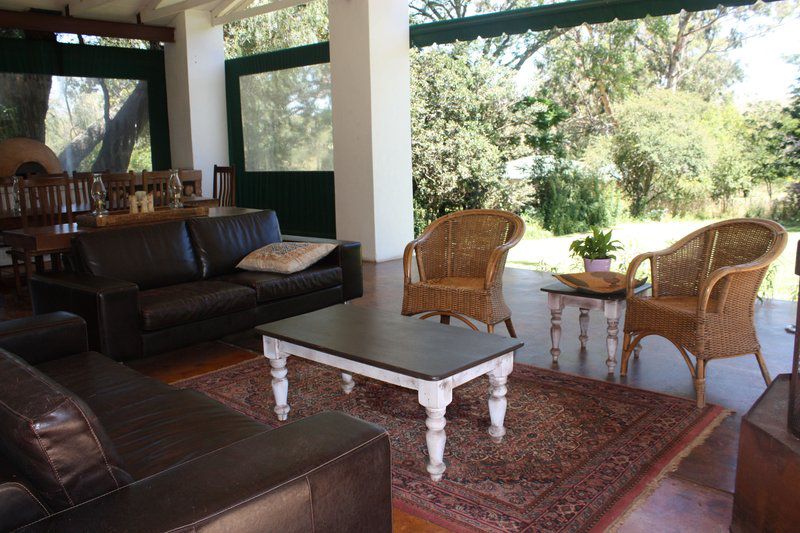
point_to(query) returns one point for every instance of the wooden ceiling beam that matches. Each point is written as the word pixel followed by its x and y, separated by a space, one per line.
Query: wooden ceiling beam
pixel 240 13
pixel 59 24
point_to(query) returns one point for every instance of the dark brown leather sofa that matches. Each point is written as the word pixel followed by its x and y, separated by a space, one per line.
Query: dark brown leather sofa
pixel 87 444
pixel 150 289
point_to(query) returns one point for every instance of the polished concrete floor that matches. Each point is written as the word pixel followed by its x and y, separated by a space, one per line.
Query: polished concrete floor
pixel 697 496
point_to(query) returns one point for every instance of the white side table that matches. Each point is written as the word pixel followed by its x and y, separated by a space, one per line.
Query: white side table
pixel 560 296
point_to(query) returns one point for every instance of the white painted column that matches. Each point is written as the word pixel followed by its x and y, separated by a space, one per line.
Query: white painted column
pixel 195 70
pixel 370 70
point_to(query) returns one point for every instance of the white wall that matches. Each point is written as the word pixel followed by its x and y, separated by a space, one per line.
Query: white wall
pixel 372 124
pixel 195 71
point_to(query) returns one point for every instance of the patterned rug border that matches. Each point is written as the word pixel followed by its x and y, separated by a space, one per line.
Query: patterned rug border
pixel 628 501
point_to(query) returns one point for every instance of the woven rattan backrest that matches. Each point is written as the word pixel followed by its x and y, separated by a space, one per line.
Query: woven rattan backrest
pixel 460 244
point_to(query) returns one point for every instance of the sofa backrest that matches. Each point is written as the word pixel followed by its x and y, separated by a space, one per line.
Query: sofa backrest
pixel 150 256
pixel 53 438
pixel 221 242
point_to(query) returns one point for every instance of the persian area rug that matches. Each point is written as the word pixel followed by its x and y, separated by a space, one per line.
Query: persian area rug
pixel 576 454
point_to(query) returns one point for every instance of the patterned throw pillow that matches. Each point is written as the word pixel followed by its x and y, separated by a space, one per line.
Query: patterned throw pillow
pixel 285 257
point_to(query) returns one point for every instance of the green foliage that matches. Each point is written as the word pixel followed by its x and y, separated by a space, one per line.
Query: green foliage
pixel 568 198
pixel 667 146
pixel 467 122
pixel 598 245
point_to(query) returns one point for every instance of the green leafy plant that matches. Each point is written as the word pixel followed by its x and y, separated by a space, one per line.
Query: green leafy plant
pixel 598 245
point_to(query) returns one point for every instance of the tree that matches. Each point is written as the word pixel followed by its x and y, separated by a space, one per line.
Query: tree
pixel 765 141
pixel 467 122
pixel 663 150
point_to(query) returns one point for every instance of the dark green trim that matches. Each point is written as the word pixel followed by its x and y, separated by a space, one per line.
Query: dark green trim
pixel 61 59
pixel 561 15
pixel 304 201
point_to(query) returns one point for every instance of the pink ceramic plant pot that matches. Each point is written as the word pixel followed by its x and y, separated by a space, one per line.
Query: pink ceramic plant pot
pixel 596 265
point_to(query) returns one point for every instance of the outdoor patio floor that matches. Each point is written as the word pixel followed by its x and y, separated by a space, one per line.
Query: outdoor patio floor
pixel 698 496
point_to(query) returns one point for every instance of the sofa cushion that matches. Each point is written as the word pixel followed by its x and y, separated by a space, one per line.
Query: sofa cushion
pixel 150 256
pixel 270 286
pixel 53 438
pixel 221 242
pixel 190 302
pixel 153 426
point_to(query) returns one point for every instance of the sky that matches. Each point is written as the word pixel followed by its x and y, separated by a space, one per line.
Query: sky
pixel 764 59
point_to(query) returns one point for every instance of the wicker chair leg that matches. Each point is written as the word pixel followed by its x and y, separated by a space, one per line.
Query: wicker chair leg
pixel 490 328
pixel 510 327
pixel 700 382
pixel 627 347
pixel 444 319
pixel 763 366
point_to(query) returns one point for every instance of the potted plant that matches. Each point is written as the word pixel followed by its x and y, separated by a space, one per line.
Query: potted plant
pixel 596 250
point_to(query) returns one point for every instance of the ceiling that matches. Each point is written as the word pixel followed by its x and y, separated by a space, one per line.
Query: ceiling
pixel 157 12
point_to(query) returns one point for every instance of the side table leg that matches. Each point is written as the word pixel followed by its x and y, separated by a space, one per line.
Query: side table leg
pixel 280 385
pixel 347 383
pixel 498 378
pixel 583 320
pixel 612 310
pixel 435 396
pixel 556 305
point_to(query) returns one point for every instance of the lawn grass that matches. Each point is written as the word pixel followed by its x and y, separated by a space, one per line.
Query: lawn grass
pixel 538 251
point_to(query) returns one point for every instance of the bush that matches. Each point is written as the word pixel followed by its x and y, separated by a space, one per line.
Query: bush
pixel 570 199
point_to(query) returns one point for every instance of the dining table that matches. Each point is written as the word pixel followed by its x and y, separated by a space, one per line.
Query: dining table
pixel 40 240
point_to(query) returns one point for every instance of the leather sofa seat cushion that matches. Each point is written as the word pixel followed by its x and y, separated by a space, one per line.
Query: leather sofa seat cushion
pixel 150 256
pixel 221 242
pixel 270 286
pixel 153 426
pixel 49 434
pixel 191 302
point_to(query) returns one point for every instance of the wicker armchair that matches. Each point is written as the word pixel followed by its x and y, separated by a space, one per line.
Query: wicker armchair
pixel 703 295
pixel 460 259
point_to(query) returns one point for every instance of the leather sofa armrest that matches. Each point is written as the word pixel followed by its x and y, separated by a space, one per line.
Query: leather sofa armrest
pixel 45 337
pixel 347 256
pixel 109 306
pixel 327 472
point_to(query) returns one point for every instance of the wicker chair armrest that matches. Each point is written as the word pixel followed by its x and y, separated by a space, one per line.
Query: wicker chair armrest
pixel 408 255
pixel 494 266
pixel 720 275
pixel 630 278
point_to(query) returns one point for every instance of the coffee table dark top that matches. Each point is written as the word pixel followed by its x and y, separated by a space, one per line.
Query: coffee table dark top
pixel 418 348
pixel 560 288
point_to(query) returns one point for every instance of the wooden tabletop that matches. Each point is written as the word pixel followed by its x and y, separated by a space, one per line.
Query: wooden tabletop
pixel 560 288
pixel 59 237
pixel 418 348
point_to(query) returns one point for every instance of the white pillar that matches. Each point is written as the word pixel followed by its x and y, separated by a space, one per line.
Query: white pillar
pixel 369 43
pixel 195 70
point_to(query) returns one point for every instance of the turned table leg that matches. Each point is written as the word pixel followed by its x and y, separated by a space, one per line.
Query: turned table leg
pixel 612 311
pixel 556 304
pixel 347 383
pixel 280 384
pixel 498 379
pixel 583 321
pixel 435 396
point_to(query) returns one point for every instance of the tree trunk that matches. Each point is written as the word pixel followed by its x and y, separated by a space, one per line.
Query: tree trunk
pixel 24 99
pixel 81 146
pixel 122 131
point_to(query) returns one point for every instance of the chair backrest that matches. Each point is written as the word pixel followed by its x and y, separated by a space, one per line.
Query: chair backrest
pixel 460 244
pixel 192 181
pixel 46 200
pixel 119 185
pixel 225 185
pixel 6 196
pixel 690 261
pixel 157 182
pixel 82 193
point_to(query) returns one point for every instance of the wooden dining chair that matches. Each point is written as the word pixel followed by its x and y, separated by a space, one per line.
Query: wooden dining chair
pixel 192 181
pixel 119 186
pixel 7 204
pixel 225 185
pixel 46 200
pixel 157 182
